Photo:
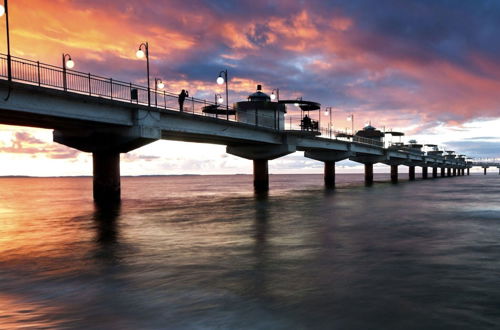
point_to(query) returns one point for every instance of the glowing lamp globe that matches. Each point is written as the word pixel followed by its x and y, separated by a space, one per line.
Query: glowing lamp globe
pixel 273 96
pixel 70 64
pixel 140 53
pixel 2 10
pixel 220 99
pixel 161 85
pixel 296 104
pixel 220 80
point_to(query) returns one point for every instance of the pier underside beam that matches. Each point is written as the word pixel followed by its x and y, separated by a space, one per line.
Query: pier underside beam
pixel 434 172
pixel 106 146
pixel 328 158
pixel 411 172
pixel 260 175
pixel 260 154
pixel 106 171
pixel 369 173
pixel 329 174
pixel 394 173
pixel 424 172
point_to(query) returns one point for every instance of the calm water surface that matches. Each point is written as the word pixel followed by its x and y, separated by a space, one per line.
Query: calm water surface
pixel 205 252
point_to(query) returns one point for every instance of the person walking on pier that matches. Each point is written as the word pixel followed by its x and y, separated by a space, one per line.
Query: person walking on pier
pixel 182 97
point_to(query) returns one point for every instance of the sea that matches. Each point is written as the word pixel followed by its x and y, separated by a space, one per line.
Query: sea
pixel 206 252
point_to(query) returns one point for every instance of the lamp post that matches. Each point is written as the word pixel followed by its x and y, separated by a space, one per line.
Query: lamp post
pixel 220 80
pixel 328 111
pixel 67 63
pixel 5 10
pixel 158 85
pixel 140 54
pixel 275 94
pixel 351 119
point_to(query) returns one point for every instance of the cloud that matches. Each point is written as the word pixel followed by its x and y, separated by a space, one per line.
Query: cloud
pixel 25 143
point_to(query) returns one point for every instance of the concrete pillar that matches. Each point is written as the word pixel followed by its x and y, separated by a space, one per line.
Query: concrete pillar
pixel 394 173
pixel 485 170
pixel 442 172
pixel 434 172
pixel 369 173
pixel 411 173
pixel 424 172
pixel 106 176
pixel 463 171
pixel 448 171
pixel 454 172
pixel 260 175
pixel 468 171
pixel 330 174
pixel 498 170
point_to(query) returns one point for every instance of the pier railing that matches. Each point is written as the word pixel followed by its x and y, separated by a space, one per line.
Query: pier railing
pixel 68 80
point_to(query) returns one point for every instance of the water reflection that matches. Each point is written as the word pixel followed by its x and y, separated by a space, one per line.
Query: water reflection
pixel 106 236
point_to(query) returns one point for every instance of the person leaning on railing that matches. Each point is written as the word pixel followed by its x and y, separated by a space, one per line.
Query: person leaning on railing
pixel 182 96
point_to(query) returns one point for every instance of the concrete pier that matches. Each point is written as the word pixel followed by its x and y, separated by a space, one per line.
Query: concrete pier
pixel 442 172
pixel 260 175
pixel 468 171
pixel 434 172
pixel 454 172
pixel 394 173
pixel 448 171
pixel 368 173
pixel 424 172
pixel 411 172
pixel 106 170
pixel 329 174
pixel 485 168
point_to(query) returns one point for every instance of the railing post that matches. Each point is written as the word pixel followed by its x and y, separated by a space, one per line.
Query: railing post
pixel 130 93
pixel 164 99
pixel 90 86
pixel 38 72
pixel 111 87
pixel 192 101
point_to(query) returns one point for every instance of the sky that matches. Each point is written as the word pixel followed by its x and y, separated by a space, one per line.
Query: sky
pixel 428 68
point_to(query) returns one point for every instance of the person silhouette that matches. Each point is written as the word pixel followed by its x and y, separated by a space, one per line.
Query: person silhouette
pixel 307 122
pixel 182 97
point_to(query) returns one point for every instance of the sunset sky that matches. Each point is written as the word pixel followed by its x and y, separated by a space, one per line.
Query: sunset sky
pixel 428 68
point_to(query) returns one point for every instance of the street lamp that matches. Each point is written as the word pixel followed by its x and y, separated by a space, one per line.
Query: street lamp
pixel 351 119
pixel 328 111
pixel 275 94
pixel 4 9
pixel 221 80
pixel 141 54
pixel 158 85
pixel 67 63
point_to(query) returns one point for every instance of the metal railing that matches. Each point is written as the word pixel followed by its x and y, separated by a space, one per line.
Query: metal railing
pixel 46 75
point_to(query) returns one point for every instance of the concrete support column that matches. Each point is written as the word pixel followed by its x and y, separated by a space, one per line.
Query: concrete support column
pixel 330 174
pixel 485 170
pixel 454 172
pixel 411 173
pixel 468 171
pixel 442 172
pixel 434 172
pixel 106 168
pixel 498 170
pixel 463 171
pixel 260 175
pixel 448 171
pixel 424 172
pixel 394 173
pixel 369 173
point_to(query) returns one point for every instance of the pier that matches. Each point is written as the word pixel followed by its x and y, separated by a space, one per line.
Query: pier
pixel 106 117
